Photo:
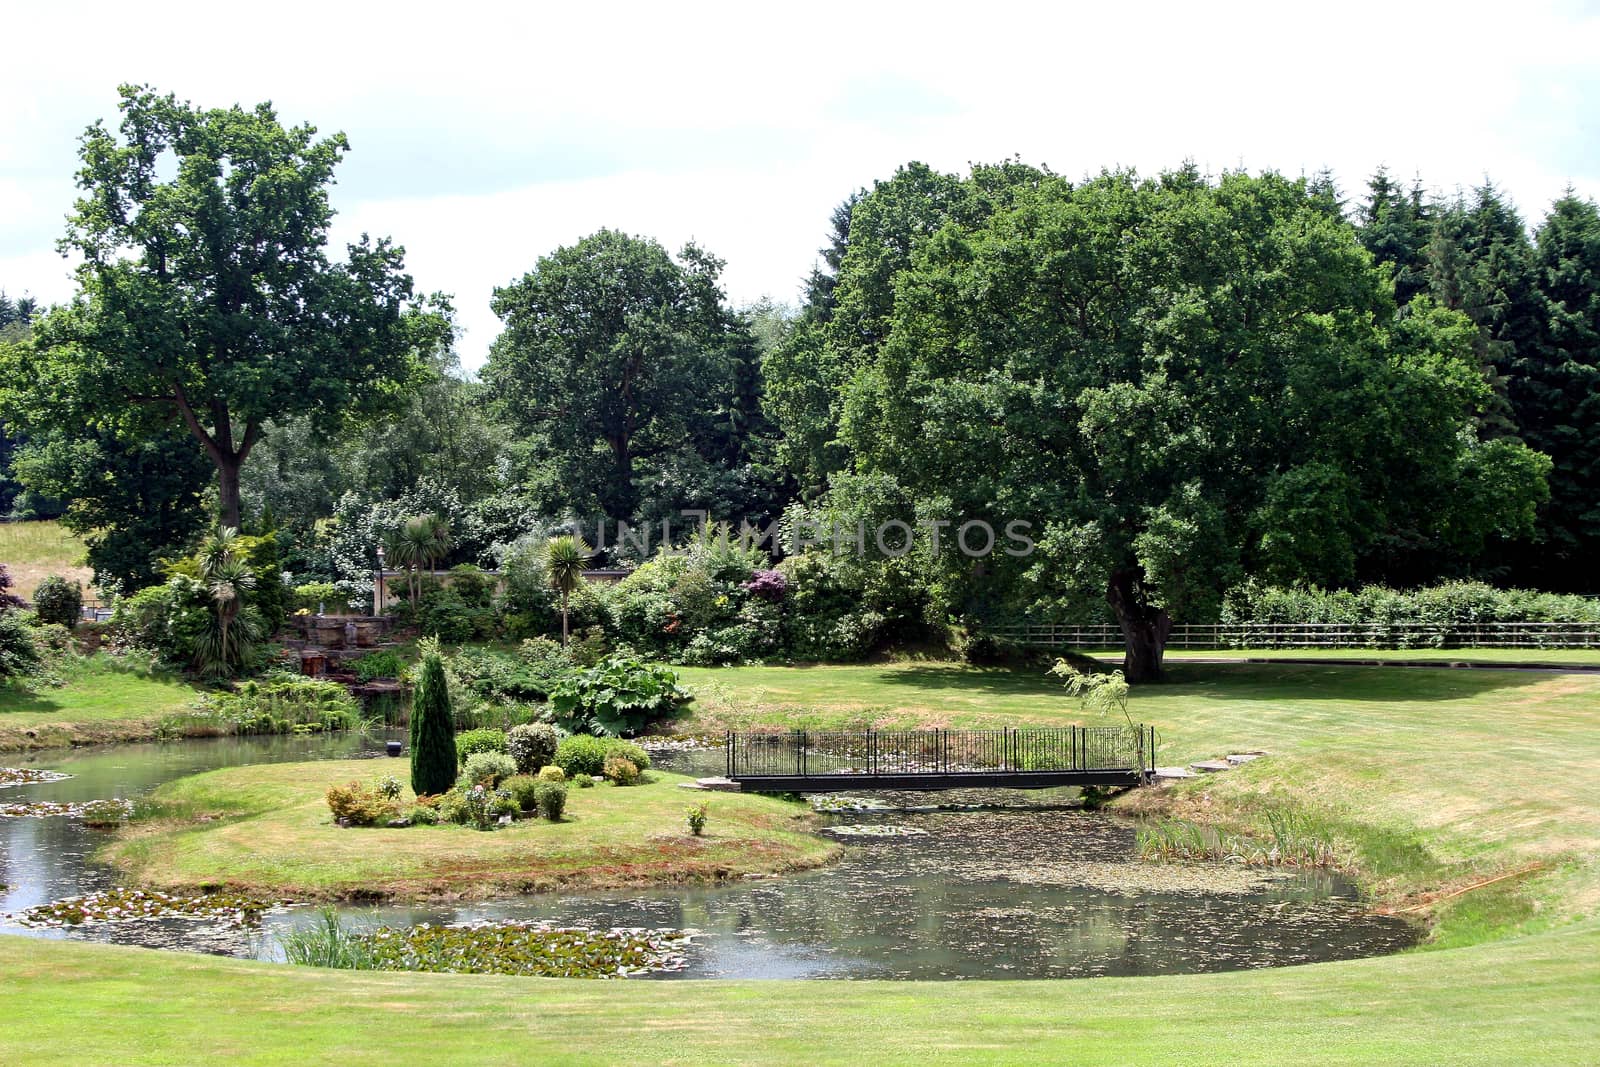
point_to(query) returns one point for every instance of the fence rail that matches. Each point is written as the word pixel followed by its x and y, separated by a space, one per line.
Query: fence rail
pixel 896 753
pixel 1319 635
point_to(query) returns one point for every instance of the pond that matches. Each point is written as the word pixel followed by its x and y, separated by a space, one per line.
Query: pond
pixel 992 884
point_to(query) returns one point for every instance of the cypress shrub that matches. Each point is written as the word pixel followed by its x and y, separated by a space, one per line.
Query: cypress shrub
pixel 433 735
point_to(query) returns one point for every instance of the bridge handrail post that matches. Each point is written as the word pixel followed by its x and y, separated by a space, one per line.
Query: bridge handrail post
pixel 728 742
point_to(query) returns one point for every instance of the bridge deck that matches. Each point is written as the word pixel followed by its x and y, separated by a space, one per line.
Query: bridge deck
pixel 932 781
pixel 802 761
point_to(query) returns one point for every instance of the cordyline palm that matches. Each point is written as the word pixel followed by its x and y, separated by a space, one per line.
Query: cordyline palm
pixel 565 559
pixel 415 544
pixel 227 581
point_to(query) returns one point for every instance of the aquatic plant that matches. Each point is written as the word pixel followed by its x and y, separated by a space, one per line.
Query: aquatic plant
pixel 1290 839
pixel 28 776
pixel 130 905
pixel 92 812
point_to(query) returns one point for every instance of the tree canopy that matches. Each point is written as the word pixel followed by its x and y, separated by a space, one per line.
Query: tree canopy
pixel 207 299
pixel 1179 383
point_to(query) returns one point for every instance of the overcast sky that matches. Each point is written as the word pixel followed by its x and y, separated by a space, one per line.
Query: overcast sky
pixel 484 136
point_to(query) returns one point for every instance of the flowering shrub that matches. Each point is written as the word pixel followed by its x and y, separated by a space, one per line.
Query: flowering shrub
pixel 767 585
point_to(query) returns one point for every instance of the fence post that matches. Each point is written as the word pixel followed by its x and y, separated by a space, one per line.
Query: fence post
pixel 728 742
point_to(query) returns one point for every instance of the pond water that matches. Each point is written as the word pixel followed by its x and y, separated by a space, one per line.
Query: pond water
pixel 991 884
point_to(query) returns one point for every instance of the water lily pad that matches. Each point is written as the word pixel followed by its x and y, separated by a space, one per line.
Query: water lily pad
pixel 132 905
pixel 534 950
pixel 91 811
pixel 28 776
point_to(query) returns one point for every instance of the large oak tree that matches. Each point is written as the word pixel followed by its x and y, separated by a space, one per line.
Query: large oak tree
pixel 206 296
pixel 1179 382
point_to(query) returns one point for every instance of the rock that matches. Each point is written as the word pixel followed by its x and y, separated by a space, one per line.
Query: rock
pixel 505 820
pixel 718 784
pixel 398 824
pixel 1173 773
pixel 1212 766
pixel 1243 757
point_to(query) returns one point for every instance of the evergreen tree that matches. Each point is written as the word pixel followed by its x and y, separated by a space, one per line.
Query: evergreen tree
pixel 1481 263
pixel 433 734
pixel 1557 394
pixel 1394 226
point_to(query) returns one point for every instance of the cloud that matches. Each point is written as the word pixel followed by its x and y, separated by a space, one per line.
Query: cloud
pixel 483 135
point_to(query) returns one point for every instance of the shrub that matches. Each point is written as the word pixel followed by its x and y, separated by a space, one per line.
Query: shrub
pixel 478 802
pixel 422 815
pixel 389 787
pixel 59 601
pixel 505 804
pixel 472 742
pixel 584 781
pixel 433 747
pixel 532 745
pixel 277 703
pixel 580 754
pixel 551 797
pixel 618 697
pixel 620 770
pixel 453 807
pixel 585 754
pixel 376 665
pixel 552 774
pixel 767 585
pixel 501 678
pixel 697 818
pixel 359 806
pixel 521 788
pixel 487 768
pixel 19 655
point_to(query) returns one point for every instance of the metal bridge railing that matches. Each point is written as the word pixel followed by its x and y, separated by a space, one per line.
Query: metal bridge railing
pixel 942 752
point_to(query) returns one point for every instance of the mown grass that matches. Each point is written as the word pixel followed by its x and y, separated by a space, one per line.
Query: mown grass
pixel 100 699
pixel 33 551
pixel 1524 1001
pixel 266 829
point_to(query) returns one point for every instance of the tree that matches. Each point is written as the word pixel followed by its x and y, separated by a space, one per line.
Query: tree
pixel 433 734
pixel 1178 382
pixel 1394 226
pixel 565 560
pixel 1557 394
pixel 613 354
pixel 208 299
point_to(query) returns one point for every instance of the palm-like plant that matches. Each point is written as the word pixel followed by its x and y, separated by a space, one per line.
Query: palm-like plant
pixel 565 559
pixel 227 581
pixel 439 543
pixel 414 545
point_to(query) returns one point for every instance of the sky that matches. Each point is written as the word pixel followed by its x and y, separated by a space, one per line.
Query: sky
pixel 484 136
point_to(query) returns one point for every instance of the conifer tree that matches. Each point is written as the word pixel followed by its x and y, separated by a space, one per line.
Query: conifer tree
pixel 433 736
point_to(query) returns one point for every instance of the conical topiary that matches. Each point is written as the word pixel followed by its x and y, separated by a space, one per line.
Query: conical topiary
pixel 433 733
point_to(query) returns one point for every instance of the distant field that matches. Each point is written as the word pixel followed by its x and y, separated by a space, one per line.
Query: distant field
pixel 35 550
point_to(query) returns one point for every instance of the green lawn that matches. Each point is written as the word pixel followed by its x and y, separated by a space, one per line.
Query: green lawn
pixel 1519 1001
pixel 266 830
pixel 32 551
pixel 101 700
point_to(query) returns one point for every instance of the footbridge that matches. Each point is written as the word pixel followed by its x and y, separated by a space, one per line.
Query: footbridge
pixel 824 761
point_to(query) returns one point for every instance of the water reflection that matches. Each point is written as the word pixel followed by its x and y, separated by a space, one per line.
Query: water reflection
pixel 1035 891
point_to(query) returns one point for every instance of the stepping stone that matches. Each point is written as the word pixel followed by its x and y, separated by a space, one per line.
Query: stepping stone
pixel 1243 757
pixel 1212 766
pixel 1166 773
pixel 717 785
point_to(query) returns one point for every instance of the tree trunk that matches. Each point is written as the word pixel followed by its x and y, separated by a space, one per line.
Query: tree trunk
pixel 228 488
pixel 563 618
pixel 1144 627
